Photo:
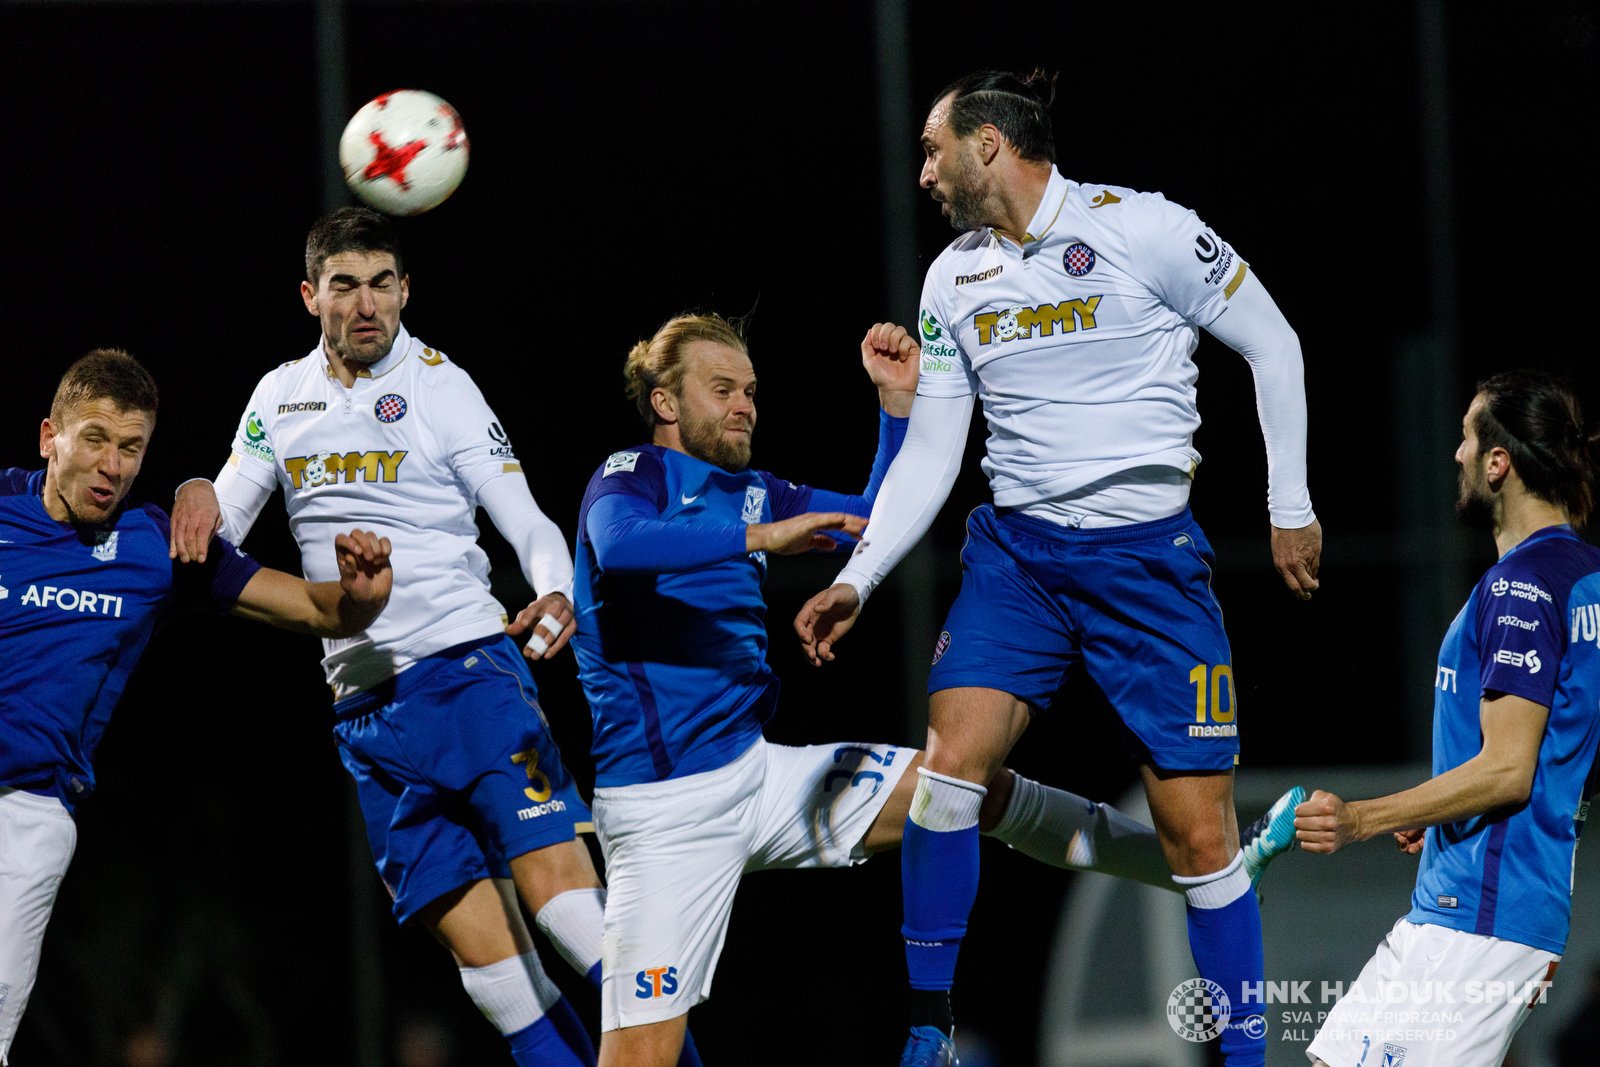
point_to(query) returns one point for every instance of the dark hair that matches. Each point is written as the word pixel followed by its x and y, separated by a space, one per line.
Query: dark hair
pixel 1018 105
pixel 350 229
pixel 104 374
pixel 1536 418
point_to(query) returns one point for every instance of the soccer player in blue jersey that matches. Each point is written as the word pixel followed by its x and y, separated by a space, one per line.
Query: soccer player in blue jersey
pixel 1515 729
pixel 1072 310
pixel 85 579
pixel 673 545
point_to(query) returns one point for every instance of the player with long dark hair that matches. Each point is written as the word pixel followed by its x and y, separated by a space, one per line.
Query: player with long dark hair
pixel 1515 730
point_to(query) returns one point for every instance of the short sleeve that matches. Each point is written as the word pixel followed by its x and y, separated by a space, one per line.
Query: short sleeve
pixel 1521 635
pixel 215 583
pixel 476 445
pixel 1180 258
pixel 946 372
pixel 787 499
pixel 253 455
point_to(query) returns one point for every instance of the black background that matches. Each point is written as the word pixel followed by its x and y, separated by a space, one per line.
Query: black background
pixel 631 160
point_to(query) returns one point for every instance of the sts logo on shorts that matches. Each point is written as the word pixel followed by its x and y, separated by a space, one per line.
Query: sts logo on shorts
pixel 656 982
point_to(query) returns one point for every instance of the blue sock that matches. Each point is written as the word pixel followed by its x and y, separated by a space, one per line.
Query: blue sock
pixel 1226 943
pixel 938 883
pixel 556 1040
pixel 689 1057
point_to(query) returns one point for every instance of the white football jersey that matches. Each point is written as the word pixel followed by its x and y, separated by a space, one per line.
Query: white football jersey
pixel 402 453
pixel 1078 341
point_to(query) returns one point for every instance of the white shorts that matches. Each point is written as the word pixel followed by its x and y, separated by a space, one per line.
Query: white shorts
pixel 675 851
pixel 37 836
pixel 1435 997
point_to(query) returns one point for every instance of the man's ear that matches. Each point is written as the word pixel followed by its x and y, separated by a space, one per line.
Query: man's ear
pixel 664 404
pixel 309 295
pixel 405 290
pixel 1497 467
pixel 47 439
pixel 989 141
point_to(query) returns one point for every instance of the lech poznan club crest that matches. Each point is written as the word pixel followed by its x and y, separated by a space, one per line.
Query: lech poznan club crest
pixel 1198 1010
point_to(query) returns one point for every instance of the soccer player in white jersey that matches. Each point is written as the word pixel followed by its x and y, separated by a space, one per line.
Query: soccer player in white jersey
pixel 436 716
pixel 1515 730
pixel 1073 310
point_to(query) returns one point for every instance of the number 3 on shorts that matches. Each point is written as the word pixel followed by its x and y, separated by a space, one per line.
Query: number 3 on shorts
pixel 531 759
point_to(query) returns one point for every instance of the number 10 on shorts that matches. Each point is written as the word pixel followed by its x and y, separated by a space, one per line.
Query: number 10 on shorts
pixel 1223 720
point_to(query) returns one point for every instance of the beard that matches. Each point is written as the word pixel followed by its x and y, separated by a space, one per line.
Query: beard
pixel 703 439
pixel 968 197
pixel 1474 505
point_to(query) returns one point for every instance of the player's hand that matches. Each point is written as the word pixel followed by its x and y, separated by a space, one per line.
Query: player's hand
pixel 825 619
pixel 1410 841
pixel 803 533
pixel 364 569
pixel 549 622
pixel 1297 554
pixel 893 360
pixel 1326 824
pixel 196 518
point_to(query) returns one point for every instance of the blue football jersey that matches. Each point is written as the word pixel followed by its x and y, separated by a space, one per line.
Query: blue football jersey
pixel 1529 629
pixel 675 664
pixel 77 607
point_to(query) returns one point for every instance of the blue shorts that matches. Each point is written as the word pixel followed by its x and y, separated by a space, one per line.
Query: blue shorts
pixel 456 771
pixel 1132 603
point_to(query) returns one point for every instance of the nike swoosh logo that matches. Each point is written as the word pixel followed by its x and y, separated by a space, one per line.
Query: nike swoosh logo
pixel 689 499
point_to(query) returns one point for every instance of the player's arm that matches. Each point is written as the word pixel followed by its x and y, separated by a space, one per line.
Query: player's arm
pixel 914 489
pixel 1252 325
pixel 546 563
pixel 1499 775
pixel 629 536
pixel 891 358
pixel 327 609
pixel 202 510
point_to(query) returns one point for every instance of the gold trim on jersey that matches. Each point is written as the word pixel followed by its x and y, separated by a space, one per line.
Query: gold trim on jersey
pixel 1238 280
pixel 1028 238
pixel 510 468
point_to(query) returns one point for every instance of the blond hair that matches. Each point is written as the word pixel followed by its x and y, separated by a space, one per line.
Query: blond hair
pixel 659 364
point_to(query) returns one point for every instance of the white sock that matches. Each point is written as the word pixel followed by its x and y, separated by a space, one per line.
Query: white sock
pixel 944 804
pixel 1217 890
pixel 1065 830
pixel 571 921
pixel 512 994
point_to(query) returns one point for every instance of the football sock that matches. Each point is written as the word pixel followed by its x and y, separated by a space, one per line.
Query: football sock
pixel 938 878
pixel 572 922
pixel 524 1005
pixel 1225 937
pixel 1068 831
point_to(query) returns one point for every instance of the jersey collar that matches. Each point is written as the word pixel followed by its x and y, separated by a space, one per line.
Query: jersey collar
pixel 1050 207
pixel 397 355
pixel 1559 530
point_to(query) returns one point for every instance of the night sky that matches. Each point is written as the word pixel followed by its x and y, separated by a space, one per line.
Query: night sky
pixel 632 160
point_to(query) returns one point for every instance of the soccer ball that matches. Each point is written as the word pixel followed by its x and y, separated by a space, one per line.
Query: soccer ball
pixel 404 152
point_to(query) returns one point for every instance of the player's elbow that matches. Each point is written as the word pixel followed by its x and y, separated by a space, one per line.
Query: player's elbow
pixel 1512 784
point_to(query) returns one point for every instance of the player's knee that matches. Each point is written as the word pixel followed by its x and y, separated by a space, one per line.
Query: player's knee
pixel 1198 849
pixel 995 801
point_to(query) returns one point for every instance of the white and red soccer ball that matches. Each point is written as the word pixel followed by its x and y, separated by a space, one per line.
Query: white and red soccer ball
pixel 404 152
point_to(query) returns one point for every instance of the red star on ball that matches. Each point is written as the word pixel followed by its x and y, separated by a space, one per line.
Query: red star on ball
pixel 391 162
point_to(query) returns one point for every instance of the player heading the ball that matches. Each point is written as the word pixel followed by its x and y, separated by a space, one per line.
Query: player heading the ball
pixel 86 577
pixel 437 718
